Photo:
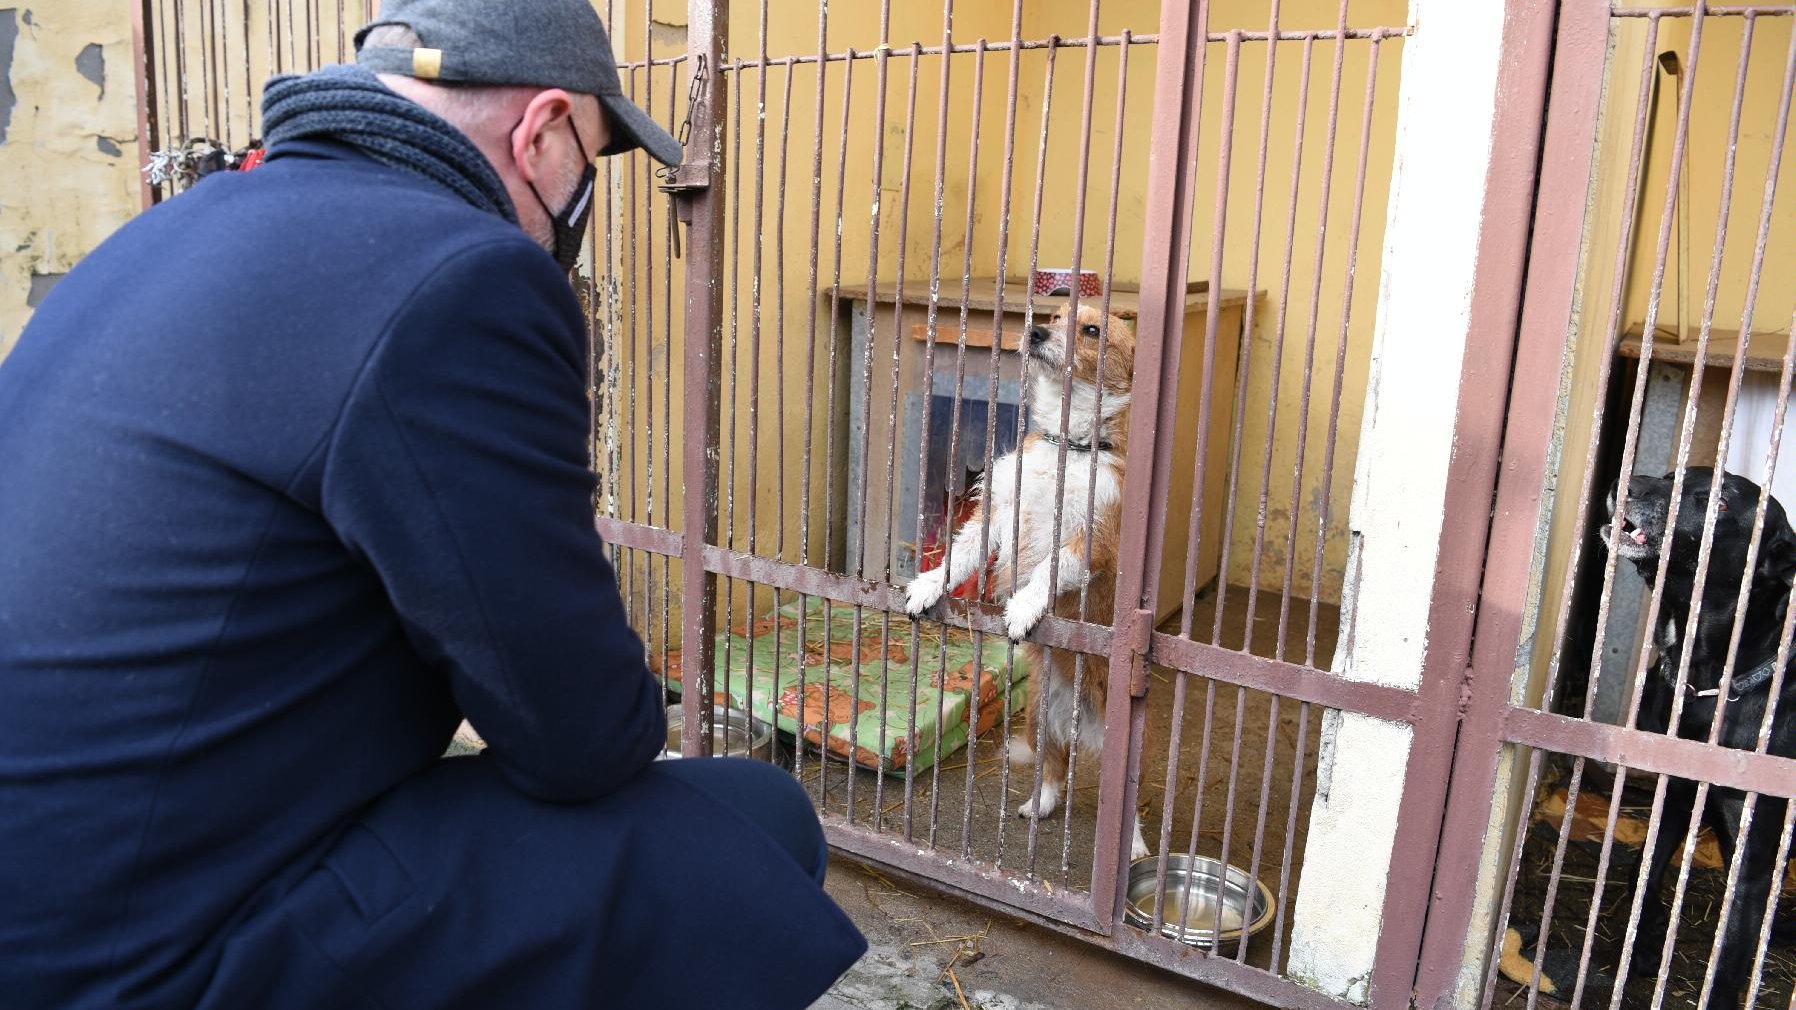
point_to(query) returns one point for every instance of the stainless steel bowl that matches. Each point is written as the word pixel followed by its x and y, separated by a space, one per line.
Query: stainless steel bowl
pixel 1192 892
pixel 734 733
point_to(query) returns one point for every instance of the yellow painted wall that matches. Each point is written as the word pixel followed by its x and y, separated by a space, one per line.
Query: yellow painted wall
pixel 1318 295
pixel 770 345
pixel 1288 424
pixel 773 485
pixel 68 148
pixel 1717 70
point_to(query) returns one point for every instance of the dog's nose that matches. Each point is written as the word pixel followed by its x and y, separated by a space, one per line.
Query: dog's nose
pixel 1038 334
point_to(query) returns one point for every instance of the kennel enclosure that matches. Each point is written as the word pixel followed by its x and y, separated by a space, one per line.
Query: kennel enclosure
pixel 1353 547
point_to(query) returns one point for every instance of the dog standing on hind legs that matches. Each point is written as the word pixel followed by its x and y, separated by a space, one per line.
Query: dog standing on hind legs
pixel 1051 570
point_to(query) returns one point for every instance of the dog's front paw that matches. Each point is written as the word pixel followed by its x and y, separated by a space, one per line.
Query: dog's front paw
pixel 925 590
pixel 1043 804
pixel 1024 611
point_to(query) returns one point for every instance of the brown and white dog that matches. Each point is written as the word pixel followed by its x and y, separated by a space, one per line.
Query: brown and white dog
pixel 1096 420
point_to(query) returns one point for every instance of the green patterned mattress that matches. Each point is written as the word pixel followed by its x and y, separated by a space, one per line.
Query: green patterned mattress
pixel 759 668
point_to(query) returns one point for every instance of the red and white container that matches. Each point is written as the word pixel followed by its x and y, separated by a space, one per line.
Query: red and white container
pixel 1060 282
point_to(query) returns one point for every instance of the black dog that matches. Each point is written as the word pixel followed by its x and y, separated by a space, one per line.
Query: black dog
pixel 1643 541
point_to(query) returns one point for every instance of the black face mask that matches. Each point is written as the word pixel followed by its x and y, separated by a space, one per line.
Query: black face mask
pixel 570 224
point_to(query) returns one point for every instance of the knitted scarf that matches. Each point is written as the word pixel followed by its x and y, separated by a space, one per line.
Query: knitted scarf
pixel 350 105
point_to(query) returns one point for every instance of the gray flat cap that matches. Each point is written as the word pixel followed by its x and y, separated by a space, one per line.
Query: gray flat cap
pixel 534 43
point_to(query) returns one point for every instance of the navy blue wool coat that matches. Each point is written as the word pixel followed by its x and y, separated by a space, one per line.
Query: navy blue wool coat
pixel 292 477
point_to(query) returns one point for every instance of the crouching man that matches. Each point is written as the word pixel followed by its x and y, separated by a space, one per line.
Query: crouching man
pixel 292 478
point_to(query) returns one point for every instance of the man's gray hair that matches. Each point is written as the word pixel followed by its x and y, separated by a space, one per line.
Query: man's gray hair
pixel 393 36
pixel 476 111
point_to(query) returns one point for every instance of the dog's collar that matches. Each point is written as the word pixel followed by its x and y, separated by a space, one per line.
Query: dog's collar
pixel 1744 684
pixel 1103 444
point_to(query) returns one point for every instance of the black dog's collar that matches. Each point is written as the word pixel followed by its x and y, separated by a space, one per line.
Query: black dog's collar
pixel 1743 685
pixel 1076 446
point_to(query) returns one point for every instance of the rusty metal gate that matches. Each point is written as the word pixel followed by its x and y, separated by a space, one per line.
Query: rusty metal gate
pixel 1556 731
pixel 881 337
pixel 807 348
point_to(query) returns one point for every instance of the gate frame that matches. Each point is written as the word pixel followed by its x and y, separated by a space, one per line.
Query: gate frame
pixel 1522 506
pixel 1509 384
pixel 1498 720
pixel 1472 558
pixel 143 68
pixel 699 191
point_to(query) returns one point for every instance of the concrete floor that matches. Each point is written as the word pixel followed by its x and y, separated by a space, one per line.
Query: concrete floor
pixel 999 963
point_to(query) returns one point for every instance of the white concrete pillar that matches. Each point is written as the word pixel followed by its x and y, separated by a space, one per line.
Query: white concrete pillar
pixel 1446 106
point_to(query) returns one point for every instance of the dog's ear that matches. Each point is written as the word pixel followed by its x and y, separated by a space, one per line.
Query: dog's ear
pixel 1777 546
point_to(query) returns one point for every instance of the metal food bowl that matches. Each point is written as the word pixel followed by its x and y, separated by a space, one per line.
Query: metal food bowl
pixel 734 733
pixel 1191 892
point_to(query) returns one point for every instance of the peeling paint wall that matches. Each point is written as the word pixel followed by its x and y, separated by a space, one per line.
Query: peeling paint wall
pixel 68 144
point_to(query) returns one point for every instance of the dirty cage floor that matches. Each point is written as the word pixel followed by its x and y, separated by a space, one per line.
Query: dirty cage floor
pixel 1064 842
pixel 1566 930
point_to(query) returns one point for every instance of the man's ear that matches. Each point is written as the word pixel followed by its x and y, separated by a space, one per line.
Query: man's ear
pixel 531 145
pixel 1777 546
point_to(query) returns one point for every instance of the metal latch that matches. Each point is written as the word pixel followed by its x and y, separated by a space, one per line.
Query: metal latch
pixel 693 175
pixel 1140 635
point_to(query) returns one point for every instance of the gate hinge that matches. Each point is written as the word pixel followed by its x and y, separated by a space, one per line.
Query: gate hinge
pixel 1140 635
